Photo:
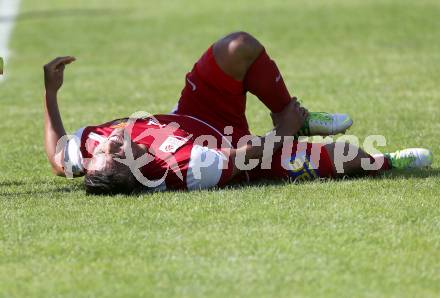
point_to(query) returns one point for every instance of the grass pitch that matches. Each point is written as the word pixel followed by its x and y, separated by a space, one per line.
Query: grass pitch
pixel 377 60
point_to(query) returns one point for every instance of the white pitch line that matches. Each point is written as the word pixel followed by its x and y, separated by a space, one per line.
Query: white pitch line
pixel 8 13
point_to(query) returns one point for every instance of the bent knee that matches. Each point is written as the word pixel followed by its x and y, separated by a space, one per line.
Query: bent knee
pixel 236 52
pixel 243 44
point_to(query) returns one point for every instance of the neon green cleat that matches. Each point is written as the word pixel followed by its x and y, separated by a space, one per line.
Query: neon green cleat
pixel 321 123
pixel 411 158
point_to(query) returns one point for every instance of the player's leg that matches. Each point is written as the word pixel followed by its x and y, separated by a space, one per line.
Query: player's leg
pixel 243 57
pixel 349 160
pixel 215 96
pixel 307 161
pixel 236 52
pixel 215 89
pixel 352 161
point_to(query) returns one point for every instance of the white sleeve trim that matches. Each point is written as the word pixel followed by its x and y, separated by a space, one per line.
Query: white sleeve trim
pixel 205 168
pixel 73 159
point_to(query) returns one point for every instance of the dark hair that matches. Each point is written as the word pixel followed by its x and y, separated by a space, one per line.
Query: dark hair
pixel 111 181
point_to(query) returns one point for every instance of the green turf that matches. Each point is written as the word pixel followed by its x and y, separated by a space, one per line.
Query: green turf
pixel 377 60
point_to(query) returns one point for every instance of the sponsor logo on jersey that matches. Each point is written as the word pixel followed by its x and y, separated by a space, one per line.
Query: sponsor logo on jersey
pixel 171 144
pixel 154 122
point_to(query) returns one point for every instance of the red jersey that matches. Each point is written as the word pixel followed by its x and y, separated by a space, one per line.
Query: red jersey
pixel 182 151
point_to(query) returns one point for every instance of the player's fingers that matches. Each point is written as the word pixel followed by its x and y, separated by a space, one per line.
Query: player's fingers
pixel 68 59
pixel 52 64
pixel 59 60
pixel 63 61
pixel 62 64
pixel 305 111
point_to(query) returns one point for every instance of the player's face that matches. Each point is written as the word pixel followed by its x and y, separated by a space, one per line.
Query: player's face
pixel 114 146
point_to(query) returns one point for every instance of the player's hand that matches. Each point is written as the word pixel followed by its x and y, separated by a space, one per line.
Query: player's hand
pixel 303 111
pixel 290 120
pixel 54 73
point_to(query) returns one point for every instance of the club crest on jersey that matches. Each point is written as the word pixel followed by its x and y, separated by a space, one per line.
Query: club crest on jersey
pixel 171 144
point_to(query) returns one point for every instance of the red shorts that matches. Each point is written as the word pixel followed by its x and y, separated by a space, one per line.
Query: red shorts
pixel 218 99
pixel 214 97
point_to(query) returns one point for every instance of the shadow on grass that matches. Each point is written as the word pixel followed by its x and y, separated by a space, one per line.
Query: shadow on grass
pixel 14 188
pixel 12 193
pixel 390 175
pixel 43 187
pixel 11 183
pixel 407 174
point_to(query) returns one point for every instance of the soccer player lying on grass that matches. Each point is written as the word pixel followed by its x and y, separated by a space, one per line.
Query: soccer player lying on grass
pixel 206 141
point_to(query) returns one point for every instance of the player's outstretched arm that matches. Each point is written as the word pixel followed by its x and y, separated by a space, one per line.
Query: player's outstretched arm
pixel 53 125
